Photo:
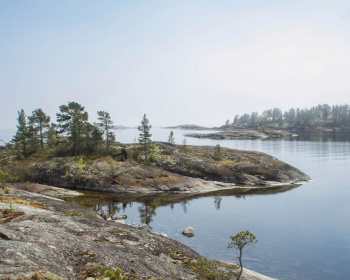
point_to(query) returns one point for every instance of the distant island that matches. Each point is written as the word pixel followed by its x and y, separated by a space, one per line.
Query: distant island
pixel 189 127
pixel 322 117
pixel 274 123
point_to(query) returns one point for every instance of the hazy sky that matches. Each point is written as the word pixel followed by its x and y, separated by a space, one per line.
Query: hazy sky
pixel 182 61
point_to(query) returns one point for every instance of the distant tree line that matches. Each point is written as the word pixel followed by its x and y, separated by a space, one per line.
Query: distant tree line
pixel 299 119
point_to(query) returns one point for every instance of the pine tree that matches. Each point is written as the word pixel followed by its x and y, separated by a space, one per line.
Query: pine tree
pixel 72 121
pixel 145 135
pixel 52 138
pixel 240 241
pixel 40 121
pixel 184 145
pixel 106 124
pixel 171 139
pixel 217 153
pixel 22 134
pixel 32 138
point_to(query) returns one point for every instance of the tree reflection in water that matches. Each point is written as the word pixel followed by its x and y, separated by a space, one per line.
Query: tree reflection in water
pixel 147 204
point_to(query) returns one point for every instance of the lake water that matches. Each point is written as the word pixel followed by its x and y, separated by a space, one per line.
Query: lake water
pixel 303 232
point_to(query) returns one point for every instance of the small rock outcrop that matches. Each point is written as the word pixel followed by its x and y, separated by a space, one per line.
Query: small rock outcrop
pixel 189 232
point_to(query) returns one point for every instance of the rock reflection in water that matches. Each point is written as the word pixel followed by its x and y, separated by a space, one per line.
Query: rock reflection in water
pixel 147 204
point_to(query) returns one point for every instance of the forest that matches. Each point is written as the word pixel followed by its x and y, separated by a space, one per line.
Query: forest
pixel 318 117
pixel 72 134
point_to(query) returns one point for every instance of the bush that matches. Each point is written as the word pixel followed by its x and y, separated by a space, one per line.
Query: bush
pixel 208 270
pixel 217 153
pixel 115 275
pixel 154 152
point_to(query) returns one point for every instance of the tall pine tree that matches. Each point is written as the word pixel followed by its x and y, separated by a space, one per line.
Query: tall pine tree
pixel 22 134
pixel 40 122
pixel 145 135
pixel 106 124
pixel 72 121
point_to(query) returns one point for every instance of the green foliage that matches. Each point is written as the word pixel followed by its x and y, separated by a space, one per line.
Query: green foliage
pixel 3 177
pixel 39 121
pixel 154 152
pixel 217 153
pixel 239 241
pixel 81 164
pixel 73 212
pixel 106 124
pixel 242 239
pixel 115 275
pixel 80 174
pixel 189 165
pixel 76 213
pixel 171 139
pixel 72 121
pixel 306 118
pixel 208 270
pixel 145 135
pixel 19 172
pixel 63 149
pixel 22 134
pixel 262 128
pixel 52 138
pixel 184 145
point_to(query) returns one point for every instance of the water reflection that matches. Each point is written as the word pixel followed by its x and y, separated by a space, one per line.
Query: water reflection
pixel 303 234
pixel 147 204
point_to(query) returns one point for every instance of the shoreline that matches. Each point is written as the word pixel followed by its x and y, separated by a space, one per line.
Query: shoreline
pixel 73 238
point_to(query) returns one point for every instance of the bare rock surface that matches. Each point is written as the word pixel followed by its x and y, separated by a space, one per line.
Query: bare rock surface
pixel 36 237
pixel 175 168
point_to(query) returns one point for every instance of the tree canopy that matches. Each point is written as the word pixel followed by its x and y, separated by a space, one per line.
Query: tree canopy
pixel 72 121
pixel 300 119
pixel 40 122
pixel 240 241
pixel 105 124
pixel 145 135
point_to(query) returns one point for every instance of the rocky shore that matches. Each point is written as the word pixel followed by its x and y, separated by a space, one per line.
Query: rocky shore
pixel 243 135
pixel 176 168
pixel 43 237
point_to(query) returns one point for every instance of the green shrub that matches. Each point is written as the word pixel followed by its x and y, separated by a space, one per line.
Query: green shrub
pixel 208 270
pixel 73 212
pixel 115 275
pixel 217 153
pixel 154 152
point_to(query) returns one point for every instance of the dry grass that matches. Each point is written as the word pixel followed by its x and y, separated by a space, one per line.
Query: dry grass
pixel 13 199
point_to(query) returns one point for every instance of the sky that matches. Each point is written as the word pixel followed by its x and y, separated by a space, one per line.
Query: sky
pixel 178 62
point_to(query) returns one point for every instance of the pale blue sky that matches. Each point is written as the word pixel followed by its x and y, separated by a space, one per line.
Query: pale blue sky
pixel 179 62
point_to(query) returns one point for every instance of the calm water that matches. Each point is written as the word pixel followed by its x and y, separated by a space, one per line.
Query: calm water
pixel 303 232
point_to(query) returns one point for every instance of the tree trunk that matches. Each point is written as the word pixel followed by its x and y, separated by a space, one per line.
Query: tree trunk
pixel 241 265
pixel 107 138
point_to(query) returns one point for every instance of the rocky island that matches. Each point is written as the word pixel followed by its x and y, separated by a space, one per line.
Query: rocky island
pixel 243 134
pixel 173 168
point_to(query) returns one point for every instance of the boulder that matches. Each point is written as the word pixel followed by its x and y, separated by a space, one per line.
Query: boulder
pixel 119 217
pixel 189 232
